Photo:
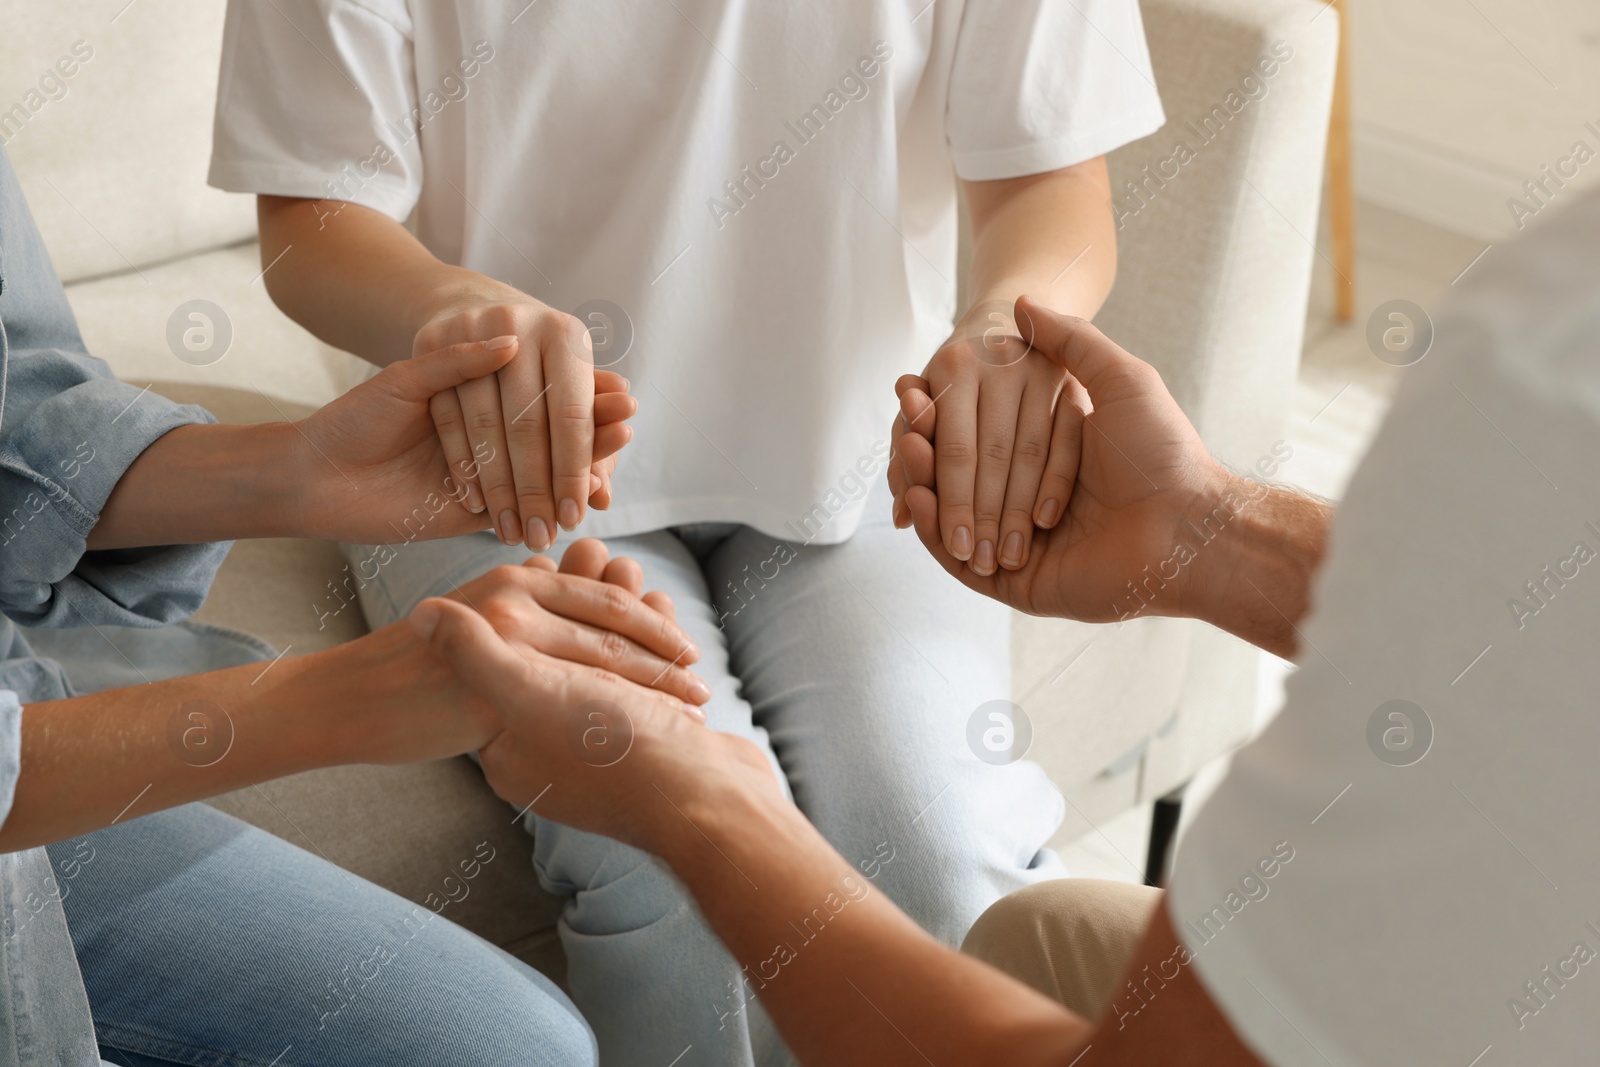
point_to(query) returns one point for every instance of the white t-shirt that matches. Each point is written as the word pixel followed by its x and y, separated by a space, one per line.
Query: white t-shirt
pixel 1378 884
pixel 764 189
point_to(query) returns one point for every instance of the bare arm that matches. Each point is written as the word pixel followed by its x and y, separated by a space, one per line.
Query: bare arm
pixel 1005 464
pixel 359 280
pixel 354 277
pixel 90 761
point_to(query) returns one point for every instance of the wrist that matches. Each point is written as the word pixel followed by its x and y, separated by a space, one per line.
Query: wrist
pixel 384 698
pixel 1257 550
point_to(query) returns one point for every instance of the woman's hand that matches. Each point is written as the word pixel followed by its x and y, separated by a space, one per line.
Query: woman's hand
pixel 1143 473
pixel 377 470
pixel 1007 441
pixel 529 433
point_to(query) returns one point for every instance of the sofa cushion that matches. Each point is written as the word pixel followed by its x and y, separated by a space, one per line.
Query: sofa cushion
pixel 113 156
pixel 124 321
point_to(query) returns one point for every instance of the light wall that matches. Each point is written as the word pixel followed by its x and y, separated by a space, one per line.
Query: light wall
pixel 1458 102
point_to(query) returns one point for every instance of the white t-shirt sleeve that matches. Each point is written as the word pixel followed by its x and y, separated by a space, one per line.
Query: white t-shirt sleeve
pixel 1428 793
pixel 1038 85
pixel 316 99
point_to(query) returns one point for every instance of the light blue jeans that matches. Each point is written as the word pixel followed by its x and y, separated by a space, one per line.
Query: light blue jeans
pixel 856 667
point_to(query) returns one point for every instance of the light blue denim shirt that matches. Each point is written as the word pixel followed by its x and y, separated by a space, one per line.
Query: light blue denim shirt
pixel 68 431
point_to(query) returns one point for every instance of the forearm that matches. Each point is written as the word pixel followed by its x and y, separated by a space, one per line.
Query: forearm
pixel 1256 553
pixel 90 761
pixel 1050 236
pixel 207 483
pixel 847 977
pixel 354 277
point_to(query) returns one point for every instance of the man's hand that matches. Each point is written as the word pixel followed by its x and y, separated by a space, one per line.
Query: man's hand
pixel 1142 473
pixel 591 739
pixel 529 431
pixel 377 467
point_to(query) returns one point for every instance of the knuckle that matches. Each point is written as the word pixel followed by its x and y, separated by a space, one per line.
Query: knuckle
pixel 574 413
pixel 484 422
pixel 1030 448
pixel 613 648
pixel 617 600
pixel 995 450
pixel 953 450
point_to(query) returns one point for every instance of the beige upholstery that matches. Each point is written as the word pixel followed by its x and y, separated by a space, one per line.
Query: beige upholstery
pixel 1212 289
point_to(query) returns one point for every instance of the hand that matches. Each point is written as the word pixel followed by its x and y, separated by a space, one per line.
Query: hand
pixel 528 434
pixel 589 743
pixel 1143 473
pixel 1006 444
pixel 377 467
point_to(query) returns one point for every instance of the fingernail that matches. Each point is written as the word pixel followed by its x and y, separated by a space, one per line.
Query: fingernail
pixel 699 692
pixel 475 502
pixel 538 535
pixel 568 514
pixel 900 514
pixel 508 527
pixel 983 559
pixel 626 385
pixel 1011 556
pixel 1049 511
pixel 961 543
pixel 500 342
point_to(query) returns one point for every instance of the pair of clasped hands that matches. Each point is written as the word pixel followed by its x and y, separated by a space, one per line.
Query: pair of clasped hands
pixel 1038 462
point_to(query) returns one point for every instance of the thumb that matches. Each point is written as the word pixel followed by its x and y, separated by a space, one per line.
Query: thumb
pixel 469 645
pixel 433 372
pixel 1076 345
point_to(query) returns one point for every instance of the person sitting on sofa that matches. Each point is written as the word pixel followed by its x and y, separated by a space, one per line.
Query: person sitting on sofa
pixel 1399 870
pixel 766 259
pixel 187 936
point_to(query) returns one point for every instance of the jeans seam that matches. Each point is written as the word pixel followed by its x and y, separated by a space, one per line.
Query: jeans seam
pixel 132 1039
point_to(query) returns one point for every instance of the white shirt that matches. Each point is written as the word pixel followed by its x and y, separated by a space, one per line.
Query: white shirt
pixel 1438 909
pixel 764 188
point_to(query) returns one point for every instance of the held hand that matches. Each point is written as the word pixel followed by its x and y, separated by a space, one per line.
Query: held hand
pixel 527 433
pixel 586 740
pixel 1143 472
pixel 1005 446
pixel 377 470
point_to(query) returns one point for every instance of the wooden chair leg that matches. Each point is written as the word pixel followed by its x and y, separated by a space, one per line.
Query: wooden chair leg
pixel 1341 190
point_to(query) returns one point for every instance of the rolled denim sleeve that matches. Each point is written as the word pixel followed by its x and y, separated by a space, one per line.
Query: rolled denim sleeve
pixel 68 433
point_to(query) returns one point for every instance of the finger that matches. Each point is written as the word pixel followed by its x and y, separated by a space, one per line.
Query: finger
pixel 956 464
pixel 490 461
pixel 919 411
pixel 609 381
pixel 568 352
pixel 451 426
pixel 663 603
pixel 595 646
pixel 522 397
pixel 1105 369
pixel 586 558
pixel 924 508
pixel 1066 451
pixel 610 439
pixel 624 573
pixel 613 407
pixel 422 376
pixel 540 563
pixel 917 460
pixel 600 484
pixel 611 608
pixel 1029 453
pixel 999 401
